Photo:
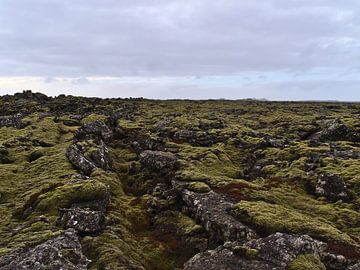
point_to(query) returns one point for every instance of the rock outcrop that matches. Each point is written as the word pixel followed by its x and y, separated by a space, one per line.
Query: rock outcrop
pixel 211 210
pixel 335 130
pixel 276 251
pixel 332 187
pixel 62 252
pixel 13 121
pixel 158 160
pixel 75 155
pixel 84 220
pixel 96 130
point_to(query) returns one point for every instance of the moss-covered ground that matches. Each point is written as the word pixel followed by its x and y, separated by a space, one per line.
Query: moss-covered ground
pixel 228 151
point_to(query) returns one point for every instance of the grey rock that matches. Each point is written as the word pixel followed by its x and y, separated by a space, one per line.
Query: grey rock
pixel 83 220
pixel 335 261
pixel 158 160
pixel 211 210
pixel 224 258
pixel 274 252
pixel 97 130
pixel 72 122
pixel 332 187
pixel 101 157
pixel 280 248
pixel 12 121
pixel 76 157
pixel 335 130
pixel 62 252
pixel 198 138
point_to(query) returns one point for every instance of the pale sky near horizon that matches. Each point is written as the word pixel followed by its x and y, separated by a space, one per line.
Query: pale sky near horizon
pixel 196 49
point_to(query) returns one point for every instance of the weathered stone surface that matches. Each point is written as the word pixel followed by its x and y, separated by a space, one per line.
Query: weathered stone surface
pixel 280 248
pixel 101 157
pixel 335 130
pixel 72 122
pixel 95 130
pixel 224 258
pixel 83 220
pixel 332 187
pixel 62 252
pixel 12 121
pixel 76 157
pixel 158 160
pixel 211 210
pixel 197 138
pixel 354 267
pixel 335 261
pixel 274 252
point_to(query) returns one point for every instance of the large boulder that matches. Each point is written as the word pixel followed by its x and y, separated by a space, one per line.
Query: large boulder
pixel 158 160
pixel 101 157
pixel 62 252
pixel 224 258
pixel 211 210
pixel 335 130
pixel 332 187
pixel 275 252
pixel 75 155
pixel 197 138
pixel 83 220
pixel 13 121
pixel 97 130
pixel 280 248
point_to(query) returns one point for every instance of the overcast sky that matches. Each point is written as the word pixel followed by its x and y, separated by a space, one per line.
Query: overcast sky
pixel 274 49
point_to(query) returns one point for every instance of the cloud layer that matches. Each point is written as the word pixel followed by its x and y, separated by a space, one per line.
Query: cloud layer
pixel 178 38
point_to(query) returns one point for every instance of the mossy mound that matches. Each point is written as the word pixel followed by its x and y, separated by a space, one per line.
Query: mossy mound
pixel 306 262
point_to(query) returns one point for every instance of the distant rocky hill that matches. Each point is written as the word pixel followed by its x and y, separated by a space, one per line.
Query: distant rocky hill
pixel 89 183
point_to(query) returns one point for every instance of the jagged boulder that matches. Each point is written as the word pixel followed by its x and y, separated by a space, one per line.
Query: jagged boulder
pixel 29 95
pixel 224 257
pixel 280 248
pixel 211 210
pixel 83 220
pixel 101 157
pixel 158 160
pixel 97 130
pixel 335 130
pixel 62 252
pixel 13 121
pixel 75 155
pixel 354 267
pixel 332 187
pixel 275 252
pixel 197 138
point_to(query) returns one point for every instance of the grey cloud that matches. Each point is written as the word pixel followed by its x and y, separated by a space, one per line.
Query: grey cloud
pixel 180 37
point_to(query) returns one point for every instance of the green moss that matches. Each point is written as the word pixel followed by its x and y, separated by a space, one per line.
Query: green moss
pixel 251 253
pixel 93 117
pixel 306 262
pixel 271 218
pixel 199 187
pixel 278 198
pixel 179 223
pixel 64 196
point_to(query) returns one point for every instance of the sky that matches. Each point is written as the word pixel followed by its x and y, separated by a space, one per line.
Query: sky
pixel 194 49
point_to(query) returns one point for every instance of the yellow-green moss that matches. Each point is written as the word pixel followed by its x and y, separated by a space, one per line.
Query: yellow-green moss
pixel 306 262
pixel 271 218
